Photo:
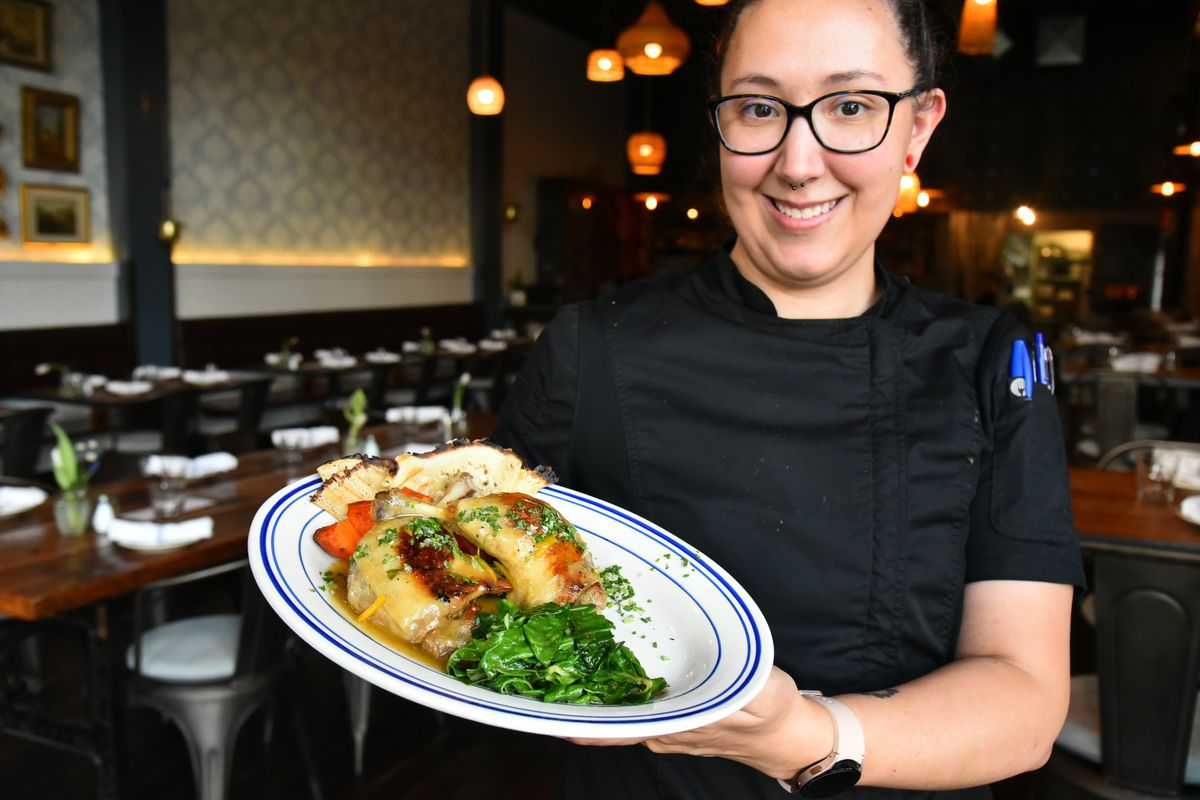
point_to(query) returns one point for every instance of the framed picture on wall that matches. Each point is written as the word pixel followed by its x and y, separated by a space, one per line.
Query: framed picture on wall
pixel 49 129
pixel 25 30
pixel 55 215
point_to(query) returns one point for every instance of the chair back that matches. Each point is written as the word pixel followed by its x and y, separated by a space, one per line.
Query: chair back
pixel 1117 453
pixel 1148 663
pixel 22 440
pixel 180 420
pixel 1116 409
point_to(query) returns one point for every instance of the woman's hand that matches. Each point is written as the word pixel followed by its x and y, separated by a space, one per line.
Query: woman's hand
pixel 776 733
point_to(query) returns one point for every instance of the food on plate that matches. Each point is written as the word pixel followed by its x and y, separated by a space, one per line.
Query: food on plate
pixel 428 537
pixel 542 554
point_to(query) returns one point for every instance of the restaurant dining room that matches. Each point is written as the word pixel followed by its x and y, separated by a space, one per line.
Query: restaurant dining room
pixel 601 398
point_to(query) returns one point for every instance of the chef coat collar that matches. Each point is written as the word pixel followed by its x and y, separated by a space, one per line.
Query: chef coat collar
pixel 735 286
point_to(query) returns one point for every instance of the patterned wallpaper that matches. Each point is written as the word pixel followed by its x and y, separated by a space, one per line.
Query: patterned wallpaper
pixel 313 129
pixel 76 60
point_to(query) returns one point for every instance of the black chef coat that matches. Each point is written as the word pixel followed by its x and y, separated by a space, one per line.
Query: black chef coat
pixel 851 474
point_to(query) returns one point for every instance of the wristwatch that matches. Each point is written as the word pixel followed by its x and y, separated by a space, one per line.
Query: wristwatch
pixel 841 769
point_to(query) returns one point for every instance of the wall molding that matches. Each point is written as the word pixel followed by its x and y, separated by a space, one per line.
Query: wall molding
pixel 48 294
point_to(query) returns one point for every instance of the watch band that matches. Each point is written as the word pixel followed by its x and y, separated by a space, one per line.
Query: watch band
pixel 843 766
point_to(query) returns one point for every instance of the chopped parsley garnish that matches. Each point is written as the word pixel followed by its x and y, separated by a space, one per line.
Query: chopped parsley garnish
pixel 329 581
pixel 530 514
pixel 359 552
pixel 388 536
pixel 428 532
pixel 489 515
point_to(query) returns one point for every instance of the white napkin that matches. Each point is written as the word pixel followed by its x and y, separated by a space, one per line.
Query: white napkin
pixel 503 333
pixel 1186 340
pixel 1189 509
pixel 1187 471
pixel 304 438
pixel 1137 362
pixel 1097 337
pixel 411 347
pixel 492 345
pixel 382 357
pixel 129 533
pixel 15 499
pixel 192 468
pixel 153 372
pixel 458 346
pixel 205 377
pixel 128 387
pixel 336 362
pixel 420 415
pixel 276 360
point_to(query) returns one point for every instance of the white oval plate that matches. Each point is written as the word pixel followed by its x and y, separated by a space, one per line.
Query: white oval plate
pixel 1189 509
pixel 705 635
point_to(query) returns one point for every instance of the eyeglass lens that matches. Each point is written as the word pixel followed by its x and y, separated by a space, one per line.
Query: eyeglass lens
pixel 849 122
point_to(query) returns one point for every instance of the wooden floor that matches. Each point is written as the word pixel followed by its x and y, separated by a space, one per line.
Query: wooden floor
pixel 411 754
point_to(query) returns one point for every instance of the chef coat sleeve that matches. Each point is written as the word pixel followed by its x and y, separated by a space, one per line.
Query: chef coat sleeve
pixel 538 415
pixel 1021 522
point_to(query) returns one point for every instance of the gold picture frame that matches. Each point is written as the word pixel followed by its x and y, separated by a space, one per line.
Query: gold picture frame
pixel 49 129
pixel 55 214
pixel 26 28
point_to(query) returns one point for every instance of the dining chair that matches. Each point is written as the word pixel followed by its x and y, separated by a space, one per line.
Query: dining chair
pixel 22 434
pixel 1129 730
pixel 210 673
pixel 233 420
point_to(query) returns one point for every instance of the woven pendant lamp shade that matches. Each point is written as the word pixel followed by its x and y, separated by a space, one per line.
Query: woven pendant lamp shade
pixel 605 66
pixel 653 45
pixel 485 96
pixel 647 151
pixel 977 28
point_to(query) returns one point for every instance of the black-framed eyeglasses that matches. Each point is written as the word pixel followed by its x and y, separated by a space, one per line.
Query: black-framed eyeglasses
pixel 843 122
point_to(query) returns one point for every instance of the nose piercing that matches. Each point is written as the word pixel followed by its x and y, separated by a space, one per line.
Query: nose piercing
pixel 795 187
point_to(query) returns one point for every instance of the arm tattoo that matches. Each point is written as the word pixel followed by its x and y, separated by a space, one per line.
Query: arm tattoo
pixel 882 694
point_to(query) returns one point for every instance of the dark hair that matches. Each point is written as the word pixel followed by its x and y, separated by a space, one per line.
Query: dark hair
pixel 922 45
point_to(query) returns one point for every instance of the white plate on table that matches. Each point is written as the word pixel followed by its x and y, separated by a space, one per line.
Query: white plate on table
pixel 19 499
pixel 1189 509
pixel 713 645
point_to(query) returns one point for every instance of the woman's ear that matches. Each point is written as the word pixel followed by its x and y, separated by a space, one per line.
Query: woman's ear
pixel 930 108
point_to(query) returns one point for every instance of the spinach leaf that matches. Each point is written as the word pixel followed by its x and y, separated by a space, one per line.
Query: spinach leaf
pixel 555 653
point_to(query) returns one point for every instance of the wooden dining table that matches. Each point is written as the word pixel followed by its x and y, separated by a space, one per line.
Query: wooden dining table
pixel 83 585
pixel 1110 517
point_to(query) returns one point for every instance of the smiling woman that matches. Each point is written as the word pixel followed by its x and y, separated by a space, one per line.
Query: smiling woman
pixel 843 442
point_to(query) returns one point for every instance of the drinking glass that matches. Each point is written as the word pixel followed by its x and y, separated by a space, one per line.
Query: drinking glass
pixel 1156 476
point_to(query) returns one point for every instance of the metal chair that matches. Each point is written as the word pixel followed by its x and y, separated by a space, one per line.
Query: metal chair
pixel 1129 729
pixel 1112 455
pixel 208 674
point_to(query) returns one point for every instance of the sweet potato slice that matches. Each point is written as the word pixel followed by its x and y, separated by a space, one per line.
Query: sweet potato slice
pixel 339 539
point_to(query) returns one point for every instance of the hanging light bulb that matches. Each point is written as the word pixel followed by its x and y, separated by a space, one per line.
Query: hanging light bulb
pixel 1168 188
pixel 1026 215
pixel 977 28
pixel 910 189
pixel 653 45
pixel 485 96
pixel 647 151
pixel 605 66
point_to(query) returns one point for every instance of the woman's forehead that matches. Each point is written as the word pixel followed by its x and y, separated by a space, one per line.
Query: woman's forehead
pixel 816 44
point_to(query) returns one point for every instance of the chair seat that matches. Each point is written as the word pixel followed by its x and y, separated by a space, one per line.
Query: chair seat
pixel 1080 734
pixel 191 650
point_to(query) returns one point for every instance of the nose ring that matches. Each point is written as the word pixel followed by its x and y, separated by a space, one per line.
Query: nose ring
pixel 795 187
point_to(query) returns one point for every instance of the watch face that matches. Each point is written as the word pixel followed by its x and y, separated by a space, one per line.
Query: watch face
pixel 835 780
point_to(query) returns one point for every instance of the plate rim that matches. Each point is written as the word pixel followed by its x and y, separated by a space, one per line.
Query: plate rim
pixel 494 708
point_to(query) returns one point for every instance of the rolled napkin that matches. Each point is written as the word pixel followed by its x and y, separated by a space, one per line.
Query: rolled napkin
pixel 154 535
pixel 411 347
pixel 1137 362
pixel 305 438
pixel 337 362
pixel 458 346
pixel 276 360
pixel 128 387
pixel 1097 337
pixel 419 415
pixel 153 372
pixel 15 499
pixel 191 468
pixel 503 333
pixel 382 356
pixel 492 345
pixel 205 377
pixel 1189 509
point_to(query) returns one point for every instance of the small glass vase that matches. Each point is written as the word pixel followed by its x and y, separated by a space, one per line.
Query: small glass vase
pixel 454 425
pixel 73 511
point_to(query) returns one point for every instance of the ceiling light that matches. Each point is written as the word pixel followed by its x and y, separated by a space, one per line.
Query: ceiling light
pixel 653 45
pixel 977 28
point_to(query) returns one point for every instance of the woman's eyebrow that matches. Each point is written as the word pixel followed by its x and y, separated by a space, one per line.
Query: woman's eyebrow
pixel 756 79
pixel 850 76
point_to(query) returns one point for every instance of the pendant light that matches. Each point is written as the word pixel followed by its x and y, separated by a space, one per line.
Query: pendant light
pixel 605 65
pixel 906 200
pixel 653 45
pixel 1192 149
pixel 977 28
pixel 646 149
pixel 711 2
pixel 485 95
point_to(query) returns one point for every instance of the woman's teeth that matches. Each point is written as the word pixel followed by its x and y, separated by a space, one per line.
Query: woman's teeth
pixel 804 213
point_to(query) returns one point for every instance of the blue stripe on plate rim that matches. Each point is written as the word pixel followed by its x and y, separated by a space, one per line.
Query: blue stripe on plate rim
pixel 750 630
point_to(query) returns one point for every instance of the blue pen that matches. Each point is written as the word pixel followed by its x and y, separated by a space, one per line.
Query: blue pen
pixel 1041 360
pixel 1020 370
